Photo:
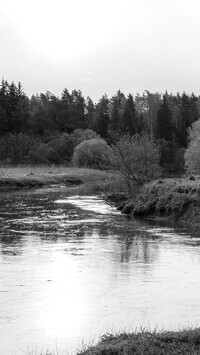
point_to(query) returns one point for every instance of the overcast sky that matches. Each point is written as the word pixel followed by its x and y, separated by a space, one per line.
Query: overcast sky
pixel 101 46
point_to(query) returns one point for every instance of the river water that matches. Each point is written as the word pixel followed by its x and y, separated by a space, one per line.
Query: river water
pixel 73 268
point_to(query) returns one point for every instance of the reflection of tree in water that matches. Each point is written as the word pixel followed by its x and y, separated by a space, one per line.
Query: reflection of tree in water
pixel 130 241
pixel 138 249
pixel 11 243
pixel 104 230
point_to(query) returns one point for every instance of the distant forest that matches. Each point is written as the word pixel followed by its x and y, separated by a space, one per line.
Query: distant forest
pixel 46 128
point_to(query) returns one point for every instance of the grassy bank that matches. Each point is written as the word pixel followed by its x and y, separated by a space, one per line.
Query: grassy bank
pixel 177 198
pixel 79 181
pixel 148 343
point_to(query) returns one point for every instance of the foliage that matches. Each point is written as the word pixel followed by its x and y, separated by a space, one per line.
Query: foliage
pixel 192 153
pixel 40 154
pixel 136 158
pixel 81 135
pixel 194 131
pixel 192 157
pixel 92 153
pixel 14 148
pixel 61 149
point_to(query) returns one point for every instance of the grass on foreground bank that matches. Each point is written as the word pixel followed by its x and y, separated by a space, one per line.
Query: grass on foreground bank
pixel 148 343
pixel 78 180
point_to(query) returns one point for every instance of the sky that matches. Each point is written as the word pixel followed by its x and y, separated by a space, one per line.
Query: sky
pixel 101 46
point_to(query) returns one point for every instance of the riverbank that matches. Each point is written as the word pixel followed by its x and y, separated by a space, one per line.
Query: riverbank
pixel 148 343
pixel 77 180
pixel 177 198
pixel 169 198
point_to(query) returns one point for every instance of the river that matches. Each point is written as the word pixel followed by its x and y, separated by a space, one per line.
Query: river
pixel 73 268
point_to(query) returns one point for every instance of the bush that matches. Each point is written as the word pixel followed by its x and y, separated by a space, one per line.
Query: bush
pixel 81 135
pixel 92 153
pixel 61 149
pixel 194 130
pixel 136 159
pixel 192 157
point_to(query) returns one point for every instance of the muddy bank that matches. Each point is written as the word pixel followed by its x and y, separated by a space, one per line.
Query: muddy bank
pixel 177 198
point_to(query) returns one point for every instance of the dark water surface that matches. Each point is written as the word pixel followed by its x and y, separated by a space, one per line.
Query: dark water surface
pixel 73 268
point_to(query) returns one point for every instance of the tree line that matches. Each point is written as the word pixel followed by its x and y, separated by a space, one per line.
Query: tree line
pixel 46 128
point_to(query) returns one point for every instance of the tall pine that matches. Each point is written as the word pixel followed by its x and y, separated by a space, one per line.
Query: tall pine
pixel 130 119
pixel 164 129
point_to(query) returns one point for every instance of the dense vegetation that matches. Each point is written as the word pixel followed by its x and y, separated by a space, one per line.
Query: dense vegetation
pixel 47 128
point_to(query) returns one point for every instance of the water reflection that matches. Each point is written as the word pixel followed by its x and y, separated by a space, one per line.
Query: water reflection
pixel 73 268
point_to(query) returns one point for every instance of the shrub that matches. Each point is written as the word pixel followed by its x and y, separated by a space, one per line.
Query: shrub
pixel 81 135
pixel 194 130
pixel 92 153
pixel 192 157
pixel 136 159
pixel 61 149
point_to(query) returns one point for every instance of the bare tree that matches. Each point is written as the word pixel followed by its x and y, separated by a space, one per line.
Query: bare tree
pixel 136 159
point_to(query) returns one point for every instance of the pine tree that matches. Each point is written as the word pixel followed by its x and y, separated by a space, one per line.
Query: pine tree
pixel 115 125
pixel 130 119
pixel 164 129
pixel 103 117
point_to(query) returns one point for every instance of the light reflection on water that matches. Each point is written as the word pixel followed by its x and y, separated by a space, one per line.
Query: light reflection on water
pixel 89 203
pixel 74 268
